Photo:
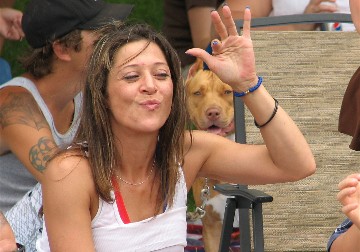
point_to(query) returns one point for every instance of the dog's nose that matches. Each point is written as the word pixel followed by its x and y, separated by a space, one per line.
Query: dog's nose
pixel 213 114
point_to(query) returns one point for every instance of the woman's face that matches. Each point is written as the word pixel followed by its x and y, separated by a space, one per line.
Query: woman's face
pixel 355 13
pixel 139 91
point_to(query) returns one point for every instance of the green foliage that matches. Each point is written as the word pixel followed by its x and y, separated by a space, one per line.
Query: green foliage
pixel 190 201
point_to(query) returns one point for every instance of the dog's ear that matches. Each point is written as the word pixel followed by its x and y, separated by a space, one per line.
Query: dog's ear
pixel 198 64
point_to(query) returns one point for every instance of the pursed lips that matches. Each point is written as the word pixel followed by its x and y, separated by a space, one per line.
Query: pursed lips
pixel 150 104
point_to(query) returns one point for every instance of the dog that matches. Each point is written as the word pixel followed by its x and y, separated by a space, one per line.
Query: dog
pixel 211 108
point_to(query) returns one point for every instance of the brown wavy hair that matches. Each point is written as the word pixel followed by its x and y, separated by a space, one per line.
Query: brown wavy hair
pixel 95 126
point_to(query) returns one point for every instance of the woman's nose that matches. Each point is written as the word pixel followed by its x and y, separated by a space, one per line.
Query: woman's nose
pixel 149 84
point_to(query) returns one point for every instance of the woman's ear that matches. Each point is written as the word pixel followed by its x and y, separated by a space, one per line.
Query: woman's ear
pixel 61 51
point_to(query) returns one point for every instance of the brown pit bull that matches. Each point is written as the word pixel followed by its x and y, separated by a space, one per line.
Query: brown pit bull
pixel 210 105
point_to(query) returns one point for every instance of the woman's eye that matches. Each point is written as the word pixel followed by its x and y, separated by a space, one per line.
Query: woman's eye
pixel 162 76
pixel 131 77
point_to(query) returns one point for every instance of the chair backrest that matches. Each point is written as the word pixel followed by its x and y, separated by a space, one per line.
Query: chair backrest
pixel 298 19
pixel 308 73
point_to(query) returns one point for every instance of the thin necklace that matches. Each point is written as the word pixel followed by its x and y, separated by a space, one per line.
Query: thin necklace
pixel 139 183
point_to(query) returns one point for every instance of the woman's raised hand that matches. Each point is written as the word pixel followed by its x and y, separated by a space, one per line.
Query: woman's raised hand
pixel 232 59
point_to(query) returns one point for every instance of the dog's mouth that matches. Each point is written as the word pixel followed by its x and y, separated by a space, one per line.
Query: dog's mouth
pixel 214 129
pixel 221 131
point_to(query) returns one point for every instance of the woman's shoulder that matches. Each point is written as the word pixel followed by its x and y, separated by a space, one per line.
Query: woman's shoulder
pixel 68 179
pixel 71 163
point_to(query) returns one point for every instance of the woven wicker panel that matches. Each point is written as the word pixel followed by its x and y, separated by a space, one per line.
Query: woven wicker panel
pixel 308 73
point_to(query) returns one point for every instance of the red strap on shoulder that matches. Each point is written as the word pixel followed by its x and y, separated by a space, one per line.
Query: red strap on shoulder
pixel 120 202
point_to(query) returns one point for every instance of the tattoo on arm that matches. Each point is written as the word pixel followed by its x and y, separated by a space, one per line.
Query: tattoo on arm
pixel 21 108
pixel 41 152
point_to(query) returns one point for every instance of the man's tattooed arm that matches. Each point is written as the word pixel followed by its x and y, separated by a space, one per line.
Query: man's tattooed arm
pixel 40 153
pixel 21 108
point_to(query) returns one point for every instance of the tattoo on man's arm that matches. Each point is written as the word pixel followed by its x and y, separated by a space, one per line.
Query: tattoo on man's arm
pixel 41 152
pixel 21 108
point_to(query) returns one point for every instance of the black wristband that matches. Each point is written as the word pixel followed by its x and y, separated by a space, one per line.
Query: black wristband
pixel 271 117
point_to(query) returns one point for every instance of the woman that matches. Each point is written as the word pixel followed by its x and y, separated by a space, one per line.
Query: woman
pixel 124 183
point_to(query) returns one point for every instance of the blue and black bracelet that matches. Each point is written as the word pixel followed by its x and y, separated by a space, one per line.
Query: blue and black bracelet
pixel 252 89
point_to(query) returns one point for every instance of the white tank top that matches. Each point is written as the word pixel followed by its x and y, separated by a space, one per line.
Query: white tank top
pixel 15 179
pixel 288 7
pixel 61 140
pixel 165 232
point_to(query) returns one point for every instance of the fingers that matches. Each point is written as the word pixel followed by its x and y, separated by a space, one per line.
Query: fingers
pixel 17 26
pixel 349 196
pixel 11 24
pixel 246 26
pixel 345 193
pixel 219 25
pixel 348 189
pixel 16 30
pixel 224 27
pixel 203 55
pixel 349 181
pixel 13 34
pixel 216 46
pixel 348 208
pixel 229 21
pixel 326 8
pixel 318 6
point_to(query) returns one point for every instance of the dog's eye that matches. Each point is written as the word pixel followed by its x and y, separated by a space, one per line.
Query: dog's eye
pixel 197 93
pixel 228 92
